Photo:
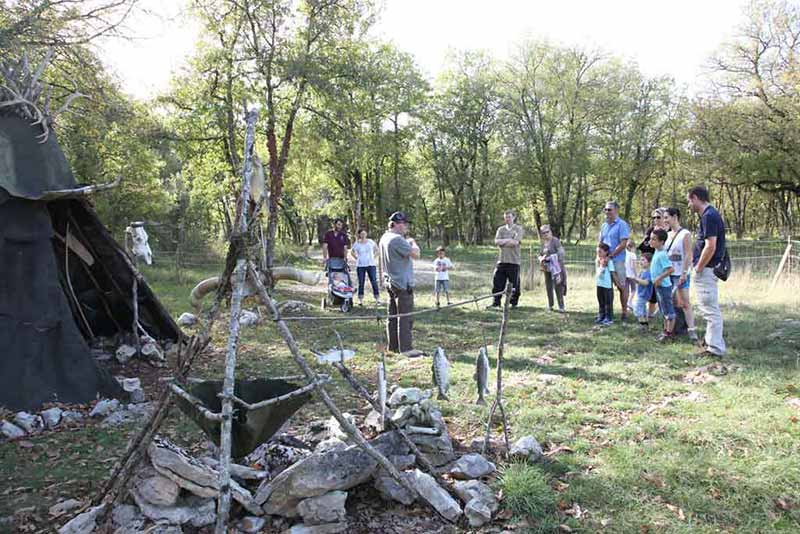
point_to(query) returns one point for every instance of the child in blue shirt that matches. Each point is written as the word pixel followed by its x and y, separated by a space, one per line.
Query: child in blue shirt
pixel 644 289
pixel 605 292
pixel 660 269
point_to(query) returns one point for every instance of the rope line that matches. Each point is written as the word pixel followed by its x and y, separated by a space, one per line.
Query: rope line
pixel 384 317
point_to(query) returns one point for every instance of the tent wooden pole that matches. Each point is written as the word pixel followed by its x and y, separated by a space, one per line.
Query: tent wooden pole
pixel 240 275
pixel 782 264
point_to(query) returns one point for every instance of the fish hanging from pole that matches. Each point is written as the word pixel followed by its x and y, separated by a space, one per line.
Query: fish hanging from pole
pixel 482 375
pixel 441 373
pixel 382 392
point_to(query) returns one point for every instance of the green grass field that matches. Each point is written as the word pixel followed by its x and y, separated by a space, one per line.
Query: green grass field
pixel 643 437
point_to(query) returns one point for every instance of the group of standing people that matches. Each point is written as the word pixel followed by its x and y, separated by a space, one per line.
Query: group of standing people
pixel 661 276
pixel 668 265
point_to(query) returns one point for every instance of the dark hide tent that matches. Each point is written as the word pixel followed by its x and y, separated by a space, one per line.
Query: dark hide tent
pixel 64 281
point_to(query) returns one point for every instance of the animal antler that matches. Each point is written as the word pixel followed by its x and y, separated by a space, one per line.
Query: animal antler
pixel 22 88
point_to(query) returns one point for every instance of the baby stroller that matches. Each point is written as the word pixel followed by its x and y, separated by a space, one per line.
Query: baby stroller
pixel 340 288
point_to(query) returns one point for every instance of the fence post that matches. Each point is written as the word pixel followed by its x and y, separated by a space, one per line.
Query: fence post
pixel 782 264
pixel 178 250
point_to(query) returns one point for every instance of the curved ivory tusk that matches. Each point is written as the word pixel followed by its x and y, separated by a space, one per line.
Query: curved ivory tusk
pixel 297 275
pixel 80 191
pixel 278 273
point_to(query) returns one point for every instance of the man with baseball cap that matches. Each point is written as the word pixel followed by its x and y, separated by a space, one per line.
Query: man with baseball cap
pixel 397 255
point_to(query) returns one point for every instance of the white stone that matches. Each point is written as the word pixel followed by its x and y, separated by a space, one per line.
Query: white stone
pixel 193 510
pixel 373 421
pixel 10 430
pixel 436 495
pixel 104 407
pixel 192 475
pixel 403 461
pixel 125 515
pixel 28 422
pixel 251 524
pixel 84 523
pixel 152 351
pixel 64 507
pixel 468 490
pixel 335 430
pixel 247 318
pixel 477 513
pixel 331 528
pixel 391 490
pixel 328 508
pixel 51 417
pixel 124 353
pixel 71 416
pixel 527 447
pixel 158 490
pixel 472 466
pixel 403 396
pixel 321 473
pixel 330 444
pixel 164 529
pixel 187 319
pixel 133 387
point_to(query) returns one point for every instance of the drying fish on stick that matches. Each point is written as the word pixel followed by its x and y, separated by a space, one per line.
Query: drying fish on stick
pixel 482 375
pixel 382 392
pixel 441 373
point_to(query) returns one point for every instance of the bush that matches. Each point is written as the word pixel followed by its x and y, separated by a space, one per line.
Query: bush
pixel 527 493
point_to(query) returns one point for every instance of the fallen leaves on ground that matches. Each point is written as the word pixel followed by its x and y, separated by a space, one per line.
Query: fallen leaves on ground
pixel 677 511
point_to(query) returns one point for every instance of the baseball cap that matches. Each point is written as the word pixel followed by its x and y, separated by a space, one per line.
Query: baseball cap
pixel 398 217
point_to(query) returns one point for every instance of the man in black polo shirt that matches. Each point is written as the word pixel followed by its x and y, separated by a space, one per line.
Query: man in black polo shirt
pixel 708 252
pixel 335 242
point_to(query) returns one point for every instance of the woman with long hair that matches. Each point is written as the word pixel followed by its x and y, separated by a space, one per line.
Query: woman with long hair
pixel 679 247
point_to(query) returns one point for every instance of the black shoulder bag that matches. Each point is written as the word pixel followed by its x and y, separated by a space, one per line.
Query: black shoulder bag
pixel 722 270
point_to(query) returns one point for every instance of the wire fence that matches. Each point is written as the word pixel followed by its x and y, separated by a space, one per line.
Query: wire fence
pixel 758 259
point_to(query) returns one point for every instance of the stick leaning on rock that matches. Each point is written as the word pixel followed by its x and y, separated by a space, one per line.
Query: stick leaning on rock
pixel 311 377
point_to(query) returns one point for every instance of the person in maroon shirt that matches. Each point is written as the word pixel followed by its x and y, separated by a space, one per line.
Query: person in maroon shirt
pixel 335 243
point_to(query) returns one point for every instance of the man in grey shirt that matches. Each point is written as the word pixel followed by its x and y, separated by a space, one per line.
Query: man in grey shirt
pixel 397 255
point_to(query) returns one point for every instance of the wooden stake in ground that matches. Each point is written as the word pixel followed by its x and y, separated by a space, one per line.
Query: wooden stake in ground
pixel 498 399
pixel 240 275
pixel 352 432
pixel 786 254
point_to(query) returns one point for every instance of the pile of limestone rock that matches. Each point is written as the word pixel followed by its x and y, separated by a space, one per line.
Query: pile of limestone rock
pixel 288 485
pixel 112 412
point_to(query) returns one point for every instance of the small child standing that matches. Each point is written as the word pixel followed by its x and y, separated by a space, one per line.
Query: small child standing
pixel 630 271
pixel 605 292
pixel 660 269
pixel 441 266
pixel 644 288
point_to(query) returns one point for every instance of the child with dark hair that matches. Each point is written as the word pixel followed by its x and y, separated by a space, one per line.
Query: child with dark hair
pixel 644 288
pixel 605 287
pixel 442 267
pixel 660 270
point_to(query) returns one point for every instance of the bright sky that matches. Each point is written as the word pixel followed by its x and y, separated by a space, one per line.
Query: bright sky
pixel 673 38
